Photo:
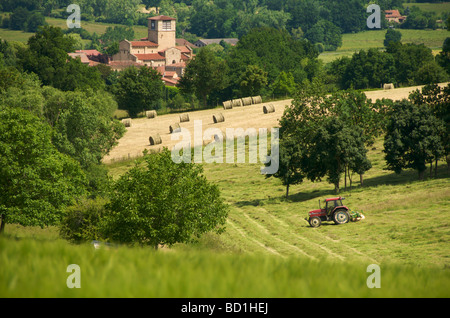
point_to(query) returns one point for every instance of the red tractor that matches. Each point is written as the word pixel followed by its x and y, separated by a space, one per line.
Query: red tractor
pixel 334 211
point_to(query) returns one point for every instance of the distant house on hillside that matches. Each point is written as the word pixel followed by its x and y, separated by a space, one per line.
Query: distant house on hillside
pixel 394 16
pixel 206 42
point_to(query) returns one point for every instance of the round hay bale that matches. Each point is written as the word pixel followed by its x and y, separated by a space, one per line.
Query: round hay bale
pixel 389 86
pixel 174 128
pixel 227 105
pixel 218 118
pixel 151 114
pixel 268 109
pixel 184 118
pixel 246 101
pixel 256 99
pixel 126 122
pixel 155 140
pixel 237 102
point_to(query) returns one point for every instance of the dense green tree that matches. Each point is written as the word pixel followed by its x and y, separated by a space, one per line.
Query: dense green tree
pixel 327 33
pixel 284 84
pixel 35 20
pixel 204 75
pixel 273 51
pixel 335 146
pixel 289 169
pixel 37 182
pixel 253 80
pixel 413 137
pixel 418 19
pixel 392 36
pixel 328 131
pixel 47 57
pixel 409 58
pixel 162 202
pixel 368 69
pixel 138 89
pixel 84 128
pixel 443 58
pixel 438 99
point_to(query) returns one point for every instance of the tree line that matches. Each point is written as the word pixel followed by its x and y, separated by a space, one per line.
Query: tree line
pixel 319 21
pixel 327 136
pixel 272 63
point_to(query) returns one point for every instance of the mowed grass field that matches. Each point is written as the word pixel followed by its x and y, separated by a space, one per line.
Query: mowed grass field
pixel 268 249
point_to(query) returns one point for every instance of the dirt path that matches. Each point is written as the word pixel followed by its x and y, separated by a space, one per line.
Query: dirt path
pixel 136 139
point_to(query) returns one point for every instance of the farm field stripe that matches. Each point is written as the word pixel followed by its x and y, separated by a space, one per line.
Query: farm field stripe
pixel 258 235
pixel 278 239
pixel 241 231
pixel 270 239
pixel 349 247
pixel 318 233
pixel 328 251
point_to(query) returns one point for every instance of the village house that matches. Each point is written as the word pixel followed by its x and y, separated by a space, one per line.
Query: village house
pixel 88 57
pixel 394 16
pixel 159 50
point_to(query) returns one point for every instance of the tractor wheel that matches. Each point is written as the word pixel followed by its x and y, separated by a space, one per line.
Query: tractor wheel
pixel 315 221
pixel 341 217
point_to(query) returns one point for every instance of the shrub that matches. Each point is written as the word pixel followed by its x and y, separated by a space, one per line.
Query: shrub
pixel 81 221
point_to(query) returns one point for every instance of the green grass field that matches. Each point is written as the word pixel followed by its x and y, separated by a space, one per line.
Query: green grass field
pixel 365 40
pixel 437 7
pixel 268 249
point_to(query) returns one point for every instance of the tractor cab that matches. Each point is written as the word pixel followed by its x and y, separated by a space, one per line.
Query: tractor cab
pixel 332 204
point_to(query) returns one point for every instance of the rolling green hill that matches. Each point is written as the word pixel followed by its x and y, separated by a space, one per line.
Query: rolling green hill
pixel 268 249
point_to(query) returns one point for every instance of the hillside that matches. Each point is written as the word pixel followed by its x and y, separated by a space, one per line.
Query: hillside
pixel 268 249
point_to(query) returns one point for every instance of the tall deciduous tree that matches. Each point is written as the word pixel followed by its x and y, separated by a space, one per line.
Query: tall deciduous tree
pixel 253 80
pixel 289 170
pixel 36 181
pixel 392 36
pixel 47 57
pixel 161 202
pixel 203 75
pixel 138 89
pixel 413 137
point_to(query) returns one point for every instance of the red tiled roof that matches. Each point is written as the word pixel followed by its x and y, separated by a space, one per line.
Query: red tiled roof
pixel 89 52
pixel 160 69
pixel 393 14
pixel 143 44
pixel 150 57
pixel 169 80
pixel 83 57
pixel 184 49
pixel 184 57
pixel 169 74
pixel 184 42
pixel 162 17
pixel 182 64
pixel 94 63
pixel 120 65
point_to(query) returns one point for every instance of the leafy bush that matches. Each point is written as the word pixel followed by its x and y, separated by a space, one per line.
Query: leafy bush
pixel 163 202
pixel 81 221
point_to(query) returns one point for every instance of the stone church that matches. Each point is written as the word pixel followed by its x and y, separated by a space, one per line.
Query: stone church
pixel 159 50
